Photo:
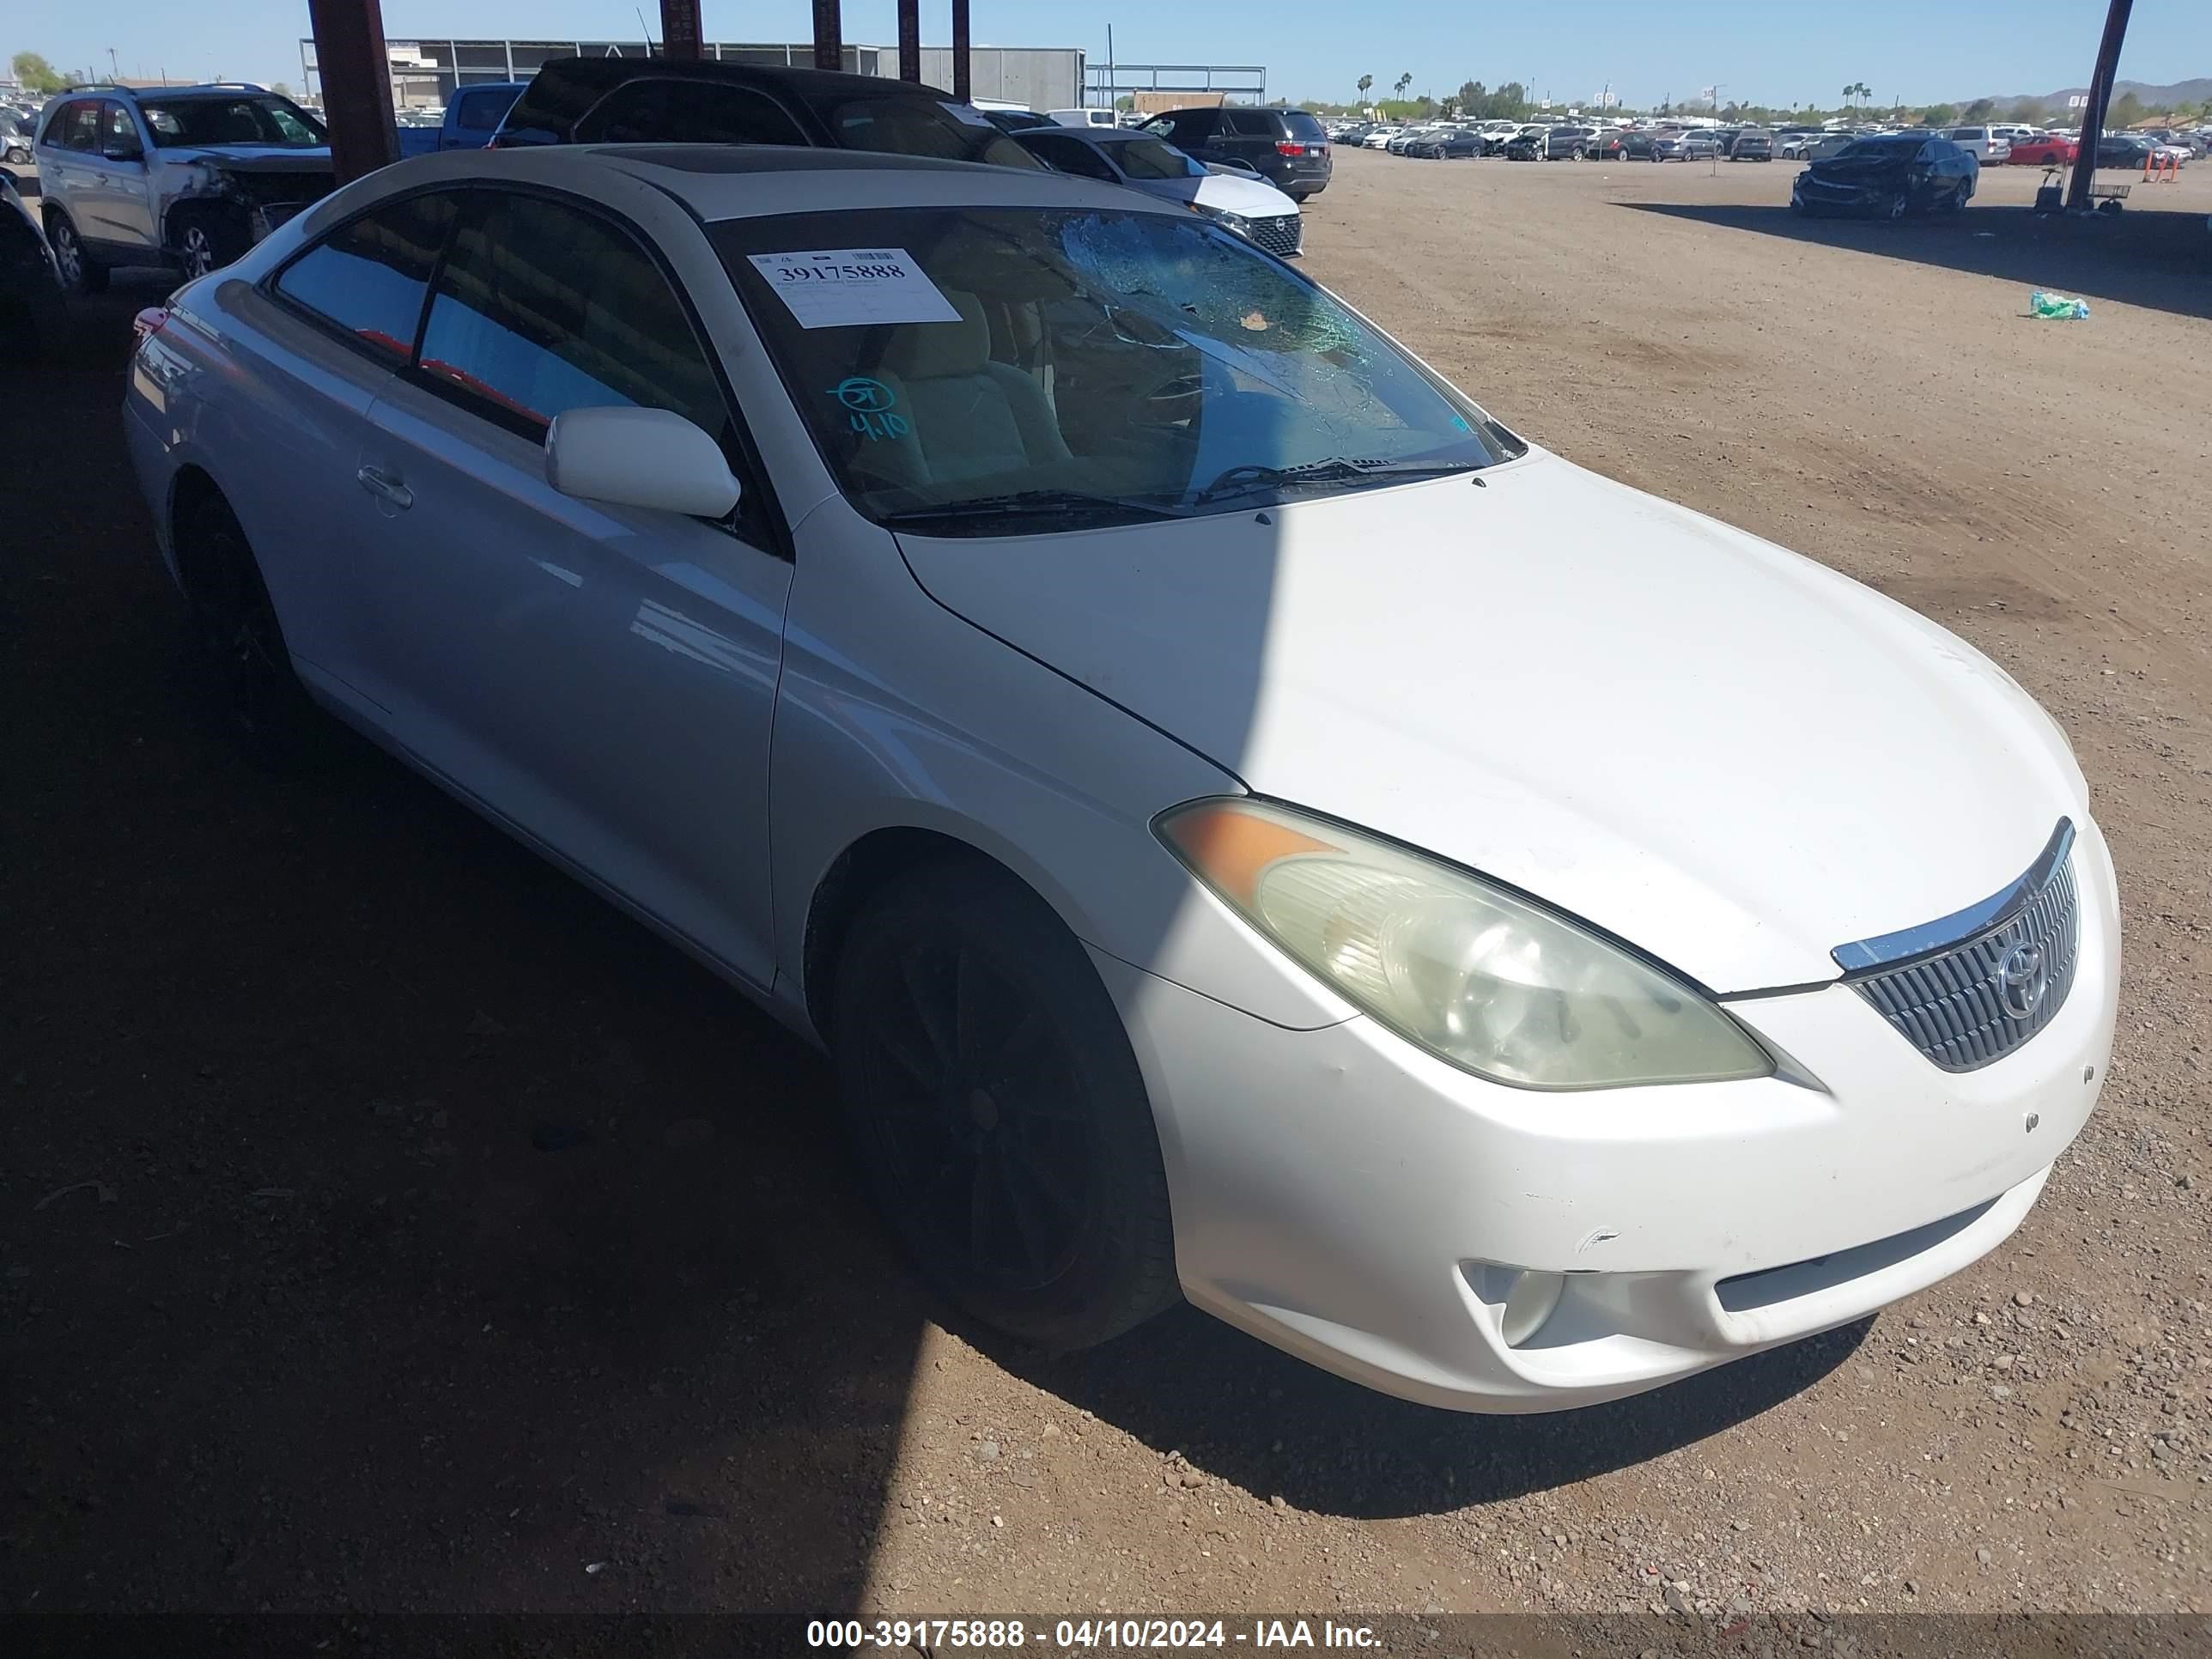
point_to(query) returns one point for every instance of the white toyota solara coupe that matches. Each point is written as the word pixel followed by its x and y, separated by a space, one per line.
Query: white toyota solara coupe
pixel 1246 823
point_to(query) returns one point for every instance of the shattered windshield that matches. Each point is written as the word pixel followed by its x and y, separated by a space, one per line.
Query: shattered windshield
pixel 965 370
pixel 268 120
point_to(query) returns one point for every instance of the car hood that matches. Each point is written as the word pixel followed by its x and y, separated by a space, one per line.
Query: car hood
pixel 253 158
pixel 1256 199
pixel 1720 751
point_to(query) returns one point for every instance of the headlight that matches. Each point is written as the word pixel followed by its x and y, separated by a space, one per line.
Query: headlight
pixel 1226 220
pixel 1477 975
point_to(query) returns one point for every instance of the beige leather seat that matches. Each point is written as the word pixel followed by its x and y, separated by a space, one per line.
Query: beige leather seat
pixel 971 417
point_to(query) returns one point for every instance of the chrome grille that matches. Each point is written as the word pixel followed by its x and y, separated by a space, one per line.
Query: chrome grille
pixel 1974 1001
pixel 1280 234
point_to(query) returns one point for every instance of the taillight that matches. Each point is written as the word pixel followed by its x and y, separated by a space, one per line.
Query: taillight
pixel 1289 147
pixel 146 324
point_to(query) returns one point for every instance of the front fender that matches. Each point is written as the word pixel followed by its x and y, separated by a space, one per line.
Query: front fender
pixel 894 713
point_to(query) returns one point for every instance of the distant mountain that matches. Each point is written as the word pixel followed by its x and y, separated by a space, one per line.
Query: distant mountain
pixel 2181 92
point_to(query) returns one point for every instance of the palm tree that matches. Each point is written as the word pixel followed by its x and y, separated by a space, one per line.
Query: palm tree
pixel 1404 80
pixel 1366 82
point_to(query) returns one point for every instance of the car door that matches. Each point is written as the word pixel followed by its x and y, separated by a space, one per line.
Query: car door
pixel 118 210
pixel 601 677
pixel 64 156
pixel 1198 133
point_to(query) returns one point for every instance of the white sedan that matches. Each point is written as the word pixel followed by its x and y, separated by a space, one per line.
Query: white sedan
pixel 1237 199
pixel 1247 824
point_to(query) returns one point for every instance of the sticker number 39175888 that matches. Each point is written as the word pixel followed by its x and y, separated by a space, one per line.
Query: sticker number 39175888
pixel 854 288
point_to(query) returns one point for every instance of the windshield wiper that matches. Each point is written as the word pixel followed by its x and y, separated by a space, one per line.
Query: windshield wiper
pixel 1243 480
pixel 1029 503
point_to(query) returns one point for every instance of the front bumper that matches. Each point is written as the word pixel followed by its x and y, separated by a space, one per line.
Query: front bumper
pixel 1344 1196
pixel 1840 199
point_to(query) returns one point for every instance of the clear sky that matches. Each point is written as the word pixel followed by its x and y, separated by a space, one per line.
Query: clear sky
pixel 1916 52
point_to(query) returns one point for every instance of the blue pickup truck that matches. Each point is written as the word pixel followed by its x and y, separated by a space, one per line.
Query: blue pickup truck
pixel 472 115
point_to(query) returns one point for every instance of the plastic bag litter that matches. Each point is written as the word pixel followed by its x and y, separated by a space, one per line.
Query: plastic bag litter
pixel 2057 306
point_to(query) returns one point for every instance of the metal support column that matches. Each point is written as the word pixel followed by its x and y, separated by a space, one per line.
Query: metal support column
pixel 357 79
pixel 962 84
pixel 679 29
pixel 829 34
pixel 909 39
pixel 2100 99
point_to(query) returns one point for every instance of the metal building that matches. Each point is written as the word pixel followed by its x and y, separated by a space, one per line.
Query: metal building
pixel 425 72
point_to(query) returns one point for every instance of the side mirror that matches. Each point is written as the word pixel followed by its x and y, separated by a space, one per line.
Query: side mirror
pixel 639 458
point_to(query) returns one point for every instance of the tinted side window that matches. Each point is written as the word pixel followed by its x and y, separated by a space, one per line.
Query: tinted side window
pixel 75 126
pixel 480 111
pixel 688 111
pixel 368 278
pixel 118 133
pixel 542 308
pixel 1253 123
pixel 1071 156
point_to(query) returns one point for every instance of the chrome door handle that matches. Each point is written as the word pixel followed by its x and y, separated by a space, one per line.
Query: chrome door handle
pixel 385 487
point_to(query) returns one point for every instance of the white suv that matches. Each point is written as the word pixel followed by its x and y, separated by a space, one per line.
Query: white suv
pixel 1989 145
pixel 185 177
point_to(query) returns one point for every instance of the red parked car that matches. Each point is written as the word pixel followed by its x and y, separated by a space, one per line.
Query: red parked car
pixel 2044 152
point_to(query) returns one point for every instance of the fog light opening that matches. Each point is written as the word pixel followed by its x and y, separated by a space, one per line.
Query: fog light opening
pixel 1530 1302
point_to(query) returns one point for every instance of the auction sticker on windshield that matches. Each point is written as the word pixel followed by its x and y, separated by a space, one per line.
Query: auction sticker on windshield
pixel 853 287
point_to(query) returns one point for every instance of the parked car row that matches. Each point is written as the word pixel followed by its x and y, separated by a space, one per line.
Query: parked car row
pixel 191 178
pixel 1545 140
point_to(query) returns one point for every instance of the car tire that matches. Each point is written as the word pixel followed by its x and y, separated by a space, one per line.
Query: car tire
pixel 1899 205
pixel 207 239
pixel 80 272
pixel 261 701
pixel 996 1109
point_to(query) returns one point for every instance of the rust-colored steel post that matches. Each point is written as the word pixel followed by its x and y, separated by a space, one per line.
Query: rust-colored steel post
pixel 829 34
pixel 909 33
pixel 356 77
pixel 2100 99
pixel 679 29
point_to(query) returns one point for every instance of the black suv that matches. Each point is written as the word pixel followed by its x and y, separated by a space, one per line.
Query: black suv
pixel 650 100
pixel 1285 147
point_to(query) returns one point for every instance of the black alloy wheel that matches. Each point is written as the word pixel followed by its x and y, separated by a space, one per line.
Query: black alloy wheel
pixel 996 1106
pixel 268 713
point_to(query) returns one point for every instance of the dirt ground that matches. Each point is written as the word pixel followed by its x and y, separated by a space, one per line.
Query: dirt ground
pixel 386 1223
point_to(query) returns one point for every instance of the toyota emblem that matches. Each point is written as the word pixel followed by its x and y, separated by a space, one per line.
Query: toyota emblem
pixel 2021 981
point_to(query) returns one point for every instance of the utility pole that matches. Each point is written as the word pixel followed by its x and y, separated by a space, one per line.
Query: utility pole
pixel 1717 121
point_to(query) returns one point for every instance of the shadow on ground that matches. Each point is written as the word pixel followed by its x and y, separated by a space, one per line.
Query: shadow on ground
pixel 387 1223
pixel 384 1222
pixel 1260 1419
pixel 2144 256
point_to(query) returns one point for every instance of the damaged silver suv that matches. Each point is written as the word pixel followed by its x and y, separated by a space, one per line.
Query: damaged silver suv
pixel 185 177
